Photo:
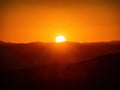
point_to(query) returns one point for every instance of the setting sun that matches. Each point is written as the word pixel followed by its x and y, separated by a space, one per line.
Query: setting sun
pixel 60 39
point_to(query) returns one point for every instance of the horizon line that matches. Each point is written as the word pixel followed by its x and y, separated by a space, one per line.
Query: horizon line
pixel 59 43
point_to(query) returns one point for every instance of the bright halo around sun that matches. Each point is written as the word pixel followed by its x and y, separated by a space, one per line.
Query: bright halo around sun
pixel 60 39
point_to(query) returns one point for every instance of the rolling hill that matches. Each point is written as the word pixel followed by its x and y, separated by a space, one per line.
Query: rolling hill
pixel 72 66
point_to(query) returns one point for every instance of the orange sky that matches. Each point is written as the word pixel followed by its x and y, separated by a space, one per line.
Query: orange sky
pixel 78 22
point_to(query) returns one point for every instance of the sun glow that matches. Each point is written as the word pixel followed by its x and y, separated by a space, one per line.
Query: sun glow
pixel 60 39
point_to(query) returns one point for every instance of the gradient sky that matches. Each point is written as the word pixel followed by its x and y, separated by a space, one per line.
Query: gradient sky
pixel 34 20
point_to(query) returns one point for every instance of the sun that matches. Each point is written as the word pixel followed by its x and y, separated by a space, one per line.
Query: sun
pixel 60 39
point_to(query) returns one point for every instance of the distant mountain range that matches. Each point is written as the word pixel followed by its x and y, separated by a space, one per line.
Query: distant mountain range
pixel 25 55
pixel 87 66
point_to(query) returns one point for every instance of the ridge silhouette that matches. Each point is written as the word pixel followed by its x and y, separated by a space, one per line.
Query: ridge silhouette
pixel 64 66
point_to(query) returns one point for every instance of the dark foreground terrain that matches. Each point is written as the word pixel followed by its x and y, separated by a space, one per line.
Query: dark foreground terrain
pixel 93 66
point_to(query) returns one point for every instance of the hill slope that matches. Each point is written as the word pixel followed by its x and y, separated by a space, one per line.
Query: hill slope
pixel 18 56
pixel 99 73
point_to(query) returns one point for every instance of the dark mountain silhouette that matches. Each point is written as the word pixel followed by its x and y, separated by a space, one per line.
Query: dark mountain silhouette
pixel 100 73
pixel 64 66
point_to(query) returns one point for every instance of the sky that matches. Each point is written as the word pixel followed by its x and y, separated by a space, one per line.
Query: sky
pixel 43 20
